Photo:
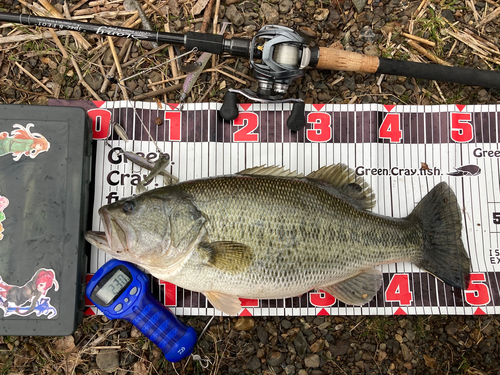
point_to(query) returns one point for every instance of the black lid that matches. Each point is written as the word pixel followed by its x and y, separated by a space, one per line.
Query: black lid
pixel 45 157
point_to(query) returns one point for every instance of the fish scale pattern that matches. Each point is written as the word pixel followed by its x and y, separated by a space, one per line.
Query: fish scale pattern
pixel 300 236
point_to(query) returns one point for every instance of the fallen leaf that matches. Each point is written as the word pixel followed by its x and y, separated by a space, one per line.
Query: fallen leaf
pixel 429 361
pixel 139 368
pixel 65 344
pixel 173 7
pixel 199 6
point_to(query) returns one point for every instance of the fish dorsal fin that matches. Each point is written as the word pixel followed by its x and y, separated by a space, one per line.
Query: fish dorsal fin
pixel 357 290
pixel 227 256
pixel 226 303
pixel 269 171
pixel 344 179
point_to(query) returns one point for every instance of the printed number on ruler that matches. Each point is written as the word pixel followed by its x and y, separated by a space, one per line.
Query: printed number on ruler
pixel 250 122
pixel 477 293
pixel 461 127
pixel 173 119
pixel 100 122
pixel 399 290
pixel 321 299
pixel 169 293
pixel 321 127
pixel 321 130
pixel 391 128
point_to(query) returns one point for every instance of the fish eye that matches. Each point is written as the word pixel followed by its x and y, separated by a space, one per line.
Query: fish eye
pixel 128 207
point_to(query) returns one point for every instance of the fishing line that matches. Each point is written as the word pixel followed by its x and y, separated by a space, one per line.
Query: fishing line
pixel 131 103
pixel 194 50
pixel 204 362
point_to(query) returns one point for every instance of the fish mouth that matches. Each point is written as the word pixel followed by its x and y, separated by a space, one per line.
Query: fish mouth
pixel 117 239
pixel 98 239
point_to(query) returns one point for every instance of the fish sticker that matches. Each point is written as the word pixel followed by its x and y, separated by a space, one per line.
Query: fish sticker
pixel 466 170
pixel 4 202
pixel 31 297
pixel 22 141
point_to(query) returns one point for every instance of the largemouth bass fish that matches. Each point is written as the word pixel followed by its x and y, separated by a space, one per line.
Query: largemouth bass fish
pixel 270 233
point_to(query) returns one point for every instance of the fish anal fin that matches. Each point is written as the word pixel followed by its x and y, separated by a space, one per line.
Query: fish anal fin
pixel 226 303
pixel 227 256
pixel 345 180
pixel 270 171
pixel 357 290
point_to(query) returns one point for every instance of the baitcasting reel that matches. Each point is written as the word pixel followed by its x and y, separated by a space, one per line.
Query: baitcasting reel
pixel 283 55
pixel 278 55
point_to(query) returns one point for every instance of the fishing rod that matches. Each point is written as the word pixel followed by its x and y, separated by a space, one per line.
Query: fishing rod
pixel 277 55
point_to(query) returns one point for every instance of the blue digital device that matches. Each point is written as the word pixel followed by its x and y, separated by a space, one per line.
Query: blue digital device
pixel 120 290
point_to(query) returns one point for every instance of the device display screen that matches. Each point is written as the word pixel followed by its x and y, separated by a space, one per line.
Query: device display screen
pixel 113 287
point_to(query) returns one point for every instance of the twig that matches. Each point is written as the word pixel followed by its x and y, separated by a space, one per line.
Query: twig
pixel 158 92
pixel 231 76
pixel 440 92
pixel 171 56
pixel 207 92
pixel 481 39
pixel 452 48
pixel 34 78
pixel 98 10
pixel 80 3
pixel 58 43
pixel 206 16
pixel 421 7
pixel 115 56
pixel 472 43
pixel 106 347
pixel 251 79
pixel 107 14
pixel 215 58
pixel 157 10
pixel 356 326
pixel 67 14
pixel 418 39
pixel 427 54
pixel 82 81
pixel 22 38
pixel 471 5
pixel 111 72
pixel 153 51
pixel 117 63
pixel 55 13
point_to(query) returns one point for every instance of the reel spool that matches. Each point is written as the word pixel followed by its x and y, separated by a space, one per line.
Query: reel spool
pixel 284 56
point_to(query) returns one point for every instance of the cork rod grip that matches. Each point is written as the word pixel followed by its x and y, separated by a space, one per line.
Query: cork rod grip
pixel 338 59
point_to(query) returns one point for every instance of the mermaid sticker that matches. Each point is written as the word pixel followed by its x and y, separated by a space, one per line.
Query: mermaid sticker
pixel 4 202
pixel 31 297
pixel 22 142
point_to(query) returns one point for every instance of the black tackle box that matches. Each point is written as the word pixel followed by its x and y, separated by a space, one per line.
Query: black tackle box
pixel 45 159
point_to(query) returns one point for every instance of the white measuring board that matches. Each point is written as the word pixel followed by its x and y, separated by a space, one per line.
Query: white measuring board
pixel 401 151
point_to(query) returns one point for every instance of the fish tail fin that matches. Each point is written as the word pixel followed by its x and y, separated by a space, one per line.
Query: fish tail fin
pixel 443 254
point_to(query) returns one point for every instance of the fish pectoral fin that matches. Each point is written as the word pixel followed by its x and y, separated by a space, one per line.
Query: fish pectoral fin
pixel 227 256
pixel 357 290
pixel 226 303
pixel 270 171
